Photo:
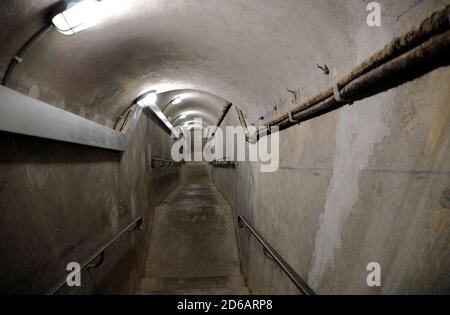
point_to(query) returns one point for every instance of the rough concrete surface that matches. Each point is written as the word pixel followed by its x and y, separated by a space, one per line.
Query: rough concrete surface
pixel 61 202
pixel 366 183
pixel 193 244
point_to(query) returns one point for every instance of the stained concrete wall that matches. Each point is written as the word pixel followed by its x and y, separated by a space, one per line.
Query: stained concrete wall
pixel 248 52
pixel 367 183
pixel 61 202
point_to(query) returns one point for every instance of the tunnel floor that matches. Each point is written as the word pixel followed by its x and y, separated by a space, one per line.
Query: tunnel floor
pixel 193 247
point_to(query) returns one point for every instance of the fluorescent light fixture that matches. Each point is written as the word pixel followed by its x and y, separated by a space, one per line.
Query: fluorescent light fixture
pixel 149 100
pixel 183 116
pixel 177 100
pixel 78 16
pixel 193 124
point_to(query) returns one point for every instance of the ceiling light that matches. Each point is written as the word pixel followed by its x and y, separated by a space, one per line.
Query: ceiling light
pixel 177 100
pixel 147 99
pixel 78 16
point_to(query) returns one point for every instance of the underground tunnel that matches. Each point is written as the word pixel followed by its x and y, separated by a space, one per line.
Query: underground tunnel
pixel 211 147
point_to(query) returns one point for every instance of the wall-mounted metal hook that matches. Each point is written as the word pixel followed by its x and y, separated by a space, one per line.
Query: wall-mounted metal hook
pixel 99 262
pixel 294 94
pixel 267 254
pixel 136 226
pixel 324 69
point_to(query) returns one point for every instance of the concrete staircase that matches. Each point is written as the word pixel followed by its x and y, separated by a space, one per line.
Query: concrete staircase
pixel 193 248
pixel 206 285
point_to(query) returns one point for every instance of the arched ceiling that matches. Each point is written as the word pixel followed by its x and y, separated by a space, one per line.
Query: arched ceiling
pixel 192 105
pixel 248 52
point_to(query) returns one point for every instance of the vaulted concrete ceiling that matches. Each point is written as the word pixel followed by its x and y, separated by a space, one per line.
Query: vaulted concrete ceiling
pixel 193 104
pixel 248 52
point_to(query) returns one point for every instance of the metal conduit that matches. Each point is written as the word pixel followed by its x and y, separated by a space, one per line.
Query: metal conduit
pixel 416 53
pixel 20 55
pixel 88 263
pixel 271 253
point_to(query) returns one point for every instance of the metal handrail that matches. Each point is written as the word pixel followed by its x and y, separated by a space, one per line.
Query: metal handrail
pixel 269 250
pixel 170 163
pixel 135 225
pixel 223 164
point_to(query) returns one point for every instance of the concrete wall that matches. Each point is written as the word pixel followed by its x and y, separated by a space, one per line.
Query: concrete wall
pixel 248 52
pixel 367 183
pixel 60 202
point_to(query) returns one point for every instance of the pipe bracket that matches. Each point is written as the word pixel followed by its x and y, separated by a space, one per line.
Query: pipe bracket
pixel 18 59
pixel 291 120
pixel 99 262
pixel 337 93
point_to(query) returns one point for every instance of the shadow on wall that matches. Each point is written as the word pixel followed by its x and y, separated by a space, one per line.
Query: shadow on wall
pixel 61 202
pixel 25 149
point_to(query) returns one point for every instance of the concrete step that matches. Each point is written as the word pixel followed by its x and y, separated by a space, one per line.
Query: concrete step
pixel 192 241
pixel 191 283
pixel 193 247
pixel 214 291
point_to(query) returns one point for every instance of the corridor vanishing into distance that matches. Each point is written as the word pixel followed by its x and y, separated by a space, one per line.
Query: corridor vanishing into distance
pixel 194 237
pixel 224 147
